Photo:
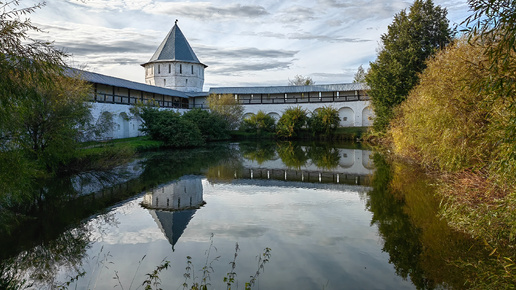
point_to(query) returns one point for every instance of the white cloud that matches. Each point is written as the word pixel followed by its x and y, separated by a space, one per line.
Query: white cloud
pixel 207 10
pixel 242 42
pixel 112 4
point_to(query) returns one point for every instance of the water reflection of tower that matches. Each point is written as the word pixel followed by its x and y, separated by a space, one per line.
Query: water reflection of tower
pixel 173 205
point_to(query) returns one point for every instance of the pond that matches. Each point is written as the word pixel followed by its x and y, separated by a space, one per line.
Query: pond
pixel 302 216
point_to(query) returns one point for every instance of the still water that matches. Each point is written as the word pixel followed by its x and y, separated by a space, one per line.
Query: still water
pixel 314 206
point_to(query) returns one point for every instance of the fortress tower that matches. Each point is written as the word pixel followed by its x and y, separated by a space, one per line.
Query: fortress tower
pixel 174 65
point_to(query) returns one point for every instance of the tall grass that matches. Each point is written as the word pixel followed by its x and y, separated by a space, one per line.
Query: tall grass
pixel 448 124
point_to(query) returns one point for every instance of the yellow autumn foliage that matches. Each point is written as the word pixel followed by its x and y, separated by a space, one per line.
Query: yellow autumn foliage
pixel 446 122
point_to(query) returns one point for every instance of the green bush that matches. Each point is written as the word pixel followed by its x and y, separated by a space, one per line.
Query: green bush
pixel 258 123
pixel 324 122
pixel 171 128
pixel 291 122
pixel 212 125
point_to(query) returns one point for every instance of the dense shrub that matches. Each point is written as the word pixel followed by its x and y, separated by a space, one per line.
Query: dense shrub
pixel 324 122
pixel 212 126
pixel 291 122
pixel 258 123
pixel 445 121
pixel 171 128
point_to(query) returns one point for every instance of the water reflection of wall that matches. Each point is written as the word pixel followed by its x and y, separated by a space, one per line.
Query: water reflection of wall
pixel 184 193
pixel 350 161
pixel 303 176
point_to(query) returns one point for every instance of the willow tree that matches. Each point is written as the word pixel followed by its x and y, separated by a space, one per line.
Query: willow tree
pixel 413 36
pixel 42 108
pixel 42 105
pixel 494 23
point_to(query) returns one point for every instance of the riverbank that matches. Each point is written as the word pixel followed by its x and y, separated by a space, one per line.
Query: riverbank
pixel 458 126
pixel 470 203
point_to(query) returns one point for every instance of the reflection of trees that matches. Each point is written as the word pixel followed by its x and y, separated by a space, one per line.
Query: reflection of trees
pixel 401 238
pixel 39 248
pixel 169 165
pixel 292 154
pixel 42 263
pixel 258 151
pixel 224 171
pixel 324 157
pixel 420 244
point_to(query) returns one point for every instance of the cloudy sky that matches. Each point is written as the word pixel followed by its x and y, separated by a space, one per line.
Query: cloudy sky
pixel 243 43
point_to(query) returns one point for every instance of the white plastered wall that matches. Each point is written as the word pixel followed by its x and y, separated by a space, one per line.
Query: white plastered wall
pixel 352 110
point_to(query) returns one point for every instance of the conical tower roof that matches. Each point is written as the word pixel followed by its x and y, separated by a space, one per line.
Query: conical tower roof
pixel 174 47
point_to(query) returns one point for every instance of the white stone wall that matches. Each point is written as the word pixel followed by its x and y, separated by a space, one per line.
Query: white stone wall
pixel 356 114
pixel 126 125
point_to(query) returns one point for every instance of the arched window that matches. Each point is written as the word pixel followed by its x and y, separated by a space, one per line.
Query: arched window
pixel 180 68
pixel 169 68
pixel 192 68
pixel 159 68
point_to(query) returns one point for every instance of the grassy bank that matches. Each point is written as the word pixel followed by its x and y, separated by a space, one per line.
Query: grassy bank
pixel 138 144
pixel 102 155
pixel 463 136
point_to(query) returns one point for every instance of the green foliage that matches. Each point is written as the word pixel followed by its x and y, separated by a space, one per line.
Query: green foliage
pixel 153 281
pixel 227 107
pixel 46 122
pixel 212 126
pixel 464 135
pixel 231 276
pixel 23 57
pixel 291 122
pixel 324 122
pixel 410 40
pixel 41 109
pixel 258 123
pixel 494 23
pixel 457 131
pixel 168 126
